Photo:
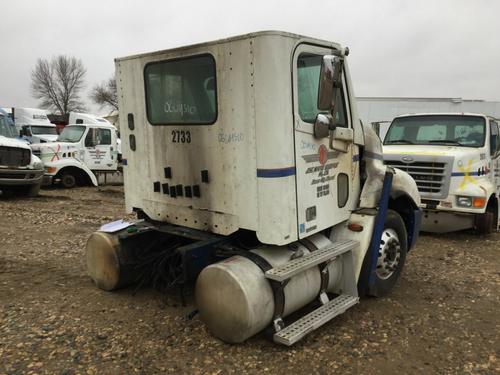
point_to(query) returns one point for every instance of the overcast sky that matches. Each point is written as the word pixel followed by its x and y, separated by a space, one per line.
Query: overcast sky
pixel 437 48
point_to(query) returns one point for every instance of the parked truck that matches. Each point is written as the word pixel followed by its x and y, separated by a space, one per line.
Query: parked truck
pixel 20 171
pixel 81 153
pixel 33 125
pixel 455 161
pixel 251 173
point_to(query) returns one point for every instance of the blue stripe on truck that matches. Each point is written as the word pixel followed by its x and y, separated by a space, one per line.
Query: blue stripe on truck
pixel 275 172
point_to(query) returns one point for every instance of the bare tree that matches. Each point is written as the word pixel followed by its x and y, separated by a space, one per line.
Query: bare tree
pixel 57 83
pixel 105 95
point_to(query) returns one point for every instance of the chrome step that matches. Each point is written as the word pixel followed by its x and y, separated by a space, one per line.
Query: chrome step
pixel 315 319
pixel 312 259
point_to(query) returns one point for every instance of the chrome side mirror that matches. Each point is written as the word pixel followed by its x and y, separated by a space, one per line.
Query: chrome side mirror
pixel 329 82
pixel 322 126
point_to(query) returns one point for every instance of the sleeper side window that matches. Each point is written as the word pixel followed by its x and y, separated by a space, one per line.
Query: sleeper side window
pixel 181 91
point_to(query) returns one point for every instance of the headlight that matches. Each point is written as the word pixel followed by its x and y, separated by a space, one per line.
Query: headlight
pixel 471 202
pixel 37 165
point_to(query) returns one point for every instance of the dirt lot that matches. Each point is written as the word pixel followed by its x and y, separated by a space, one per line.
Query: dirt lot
pixel 443 317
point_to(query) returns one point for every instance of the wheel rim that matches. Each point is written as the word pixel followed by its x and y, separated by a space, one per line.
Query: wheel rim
pixel 68 181
pixel 389 254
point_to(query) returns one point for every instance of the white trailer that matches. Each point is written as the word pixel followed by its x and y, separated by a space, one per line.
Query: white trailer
pixel 455 160
pixel 246 160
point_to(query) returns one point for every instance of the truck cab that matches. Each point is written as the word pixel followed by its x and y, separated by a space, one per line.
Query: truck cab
pixel 251 174
pixel 454 159
pixel 81 152
pixel 20 171
pixel 33 125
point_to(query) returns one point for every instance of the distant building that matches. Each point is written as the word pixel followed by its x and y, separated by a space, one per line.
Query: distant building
pixel 380 109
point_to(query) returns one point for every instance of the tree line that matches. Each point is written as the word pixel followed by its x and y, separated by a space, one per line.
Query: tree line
pixel 58 84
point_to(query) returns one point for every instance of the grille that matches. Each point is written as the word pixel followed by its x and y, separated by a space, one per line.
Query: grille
pixel 14 157
pixel 432 178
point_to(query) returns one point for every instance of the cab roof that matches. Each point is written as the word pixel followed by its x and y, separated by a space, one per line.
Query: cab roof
pixel 234 38
pixel 106 126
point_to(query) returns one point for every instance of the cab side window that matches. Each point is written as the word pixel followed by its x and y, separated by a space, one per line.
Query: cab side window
pixel 104 136
pixel 308 71
pixel 91 138
pixel 494 138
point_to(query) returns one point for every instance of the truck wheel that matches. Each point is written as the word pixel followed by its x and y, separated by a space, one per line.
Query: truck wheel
pixel 485 223
pixel 393 247
pixel 33 190
pixel 68 181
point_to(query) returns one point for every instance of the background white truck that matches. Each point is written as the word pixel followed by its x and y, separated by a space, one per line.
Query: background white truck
pixel 33 125
pixel 80 153
pixel 455 160
pixel 242 168
pixel 20 171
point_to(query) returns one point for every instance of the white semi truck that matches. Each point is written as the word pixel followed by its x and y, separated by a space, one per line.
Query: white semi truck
pixel 81 152
pixel 33 125
pixel 455 161
pixel 20 171
pixel 252 174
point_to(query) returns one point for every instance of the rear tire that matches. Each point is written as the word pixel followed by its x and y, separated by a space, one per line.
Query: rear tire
pixel 68 181
pixel 393 247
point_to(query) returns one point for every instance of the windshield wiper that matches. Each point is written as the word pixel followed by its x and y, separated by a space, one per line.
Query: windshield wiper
pixel 405 141
pixel 450 141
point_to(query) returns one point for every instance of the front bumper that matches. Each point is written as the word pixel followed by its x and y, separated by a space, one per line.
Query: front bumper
pixel 438 221
pixel 17 177
pixel 47 180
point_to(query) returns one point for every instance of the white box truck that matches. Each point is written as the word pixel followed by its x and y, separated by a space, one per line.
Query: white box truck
pixel 455 160
pixel 33 125
pixel 81 152
pixel 20 171
pixel 253 175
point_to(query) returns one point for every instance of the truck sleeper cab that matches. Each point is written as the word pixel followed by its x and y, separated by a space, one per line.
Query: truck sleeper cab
pixel 80 152
pixel 455 160
pixel 254 176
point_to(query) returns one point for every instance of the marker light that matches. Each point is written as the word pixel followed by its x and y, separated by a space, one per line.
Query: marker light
pixel 478 202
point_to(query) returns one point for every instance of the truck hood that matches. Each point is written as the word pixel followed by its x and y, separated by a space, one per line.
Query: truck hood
pixel 52 151
pixel 441 170
pixel 12 142
pixel 47 137
pixel 438 151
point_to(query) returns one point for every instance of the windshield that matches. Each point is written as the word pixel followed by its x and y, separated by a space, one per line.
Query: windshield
pixel 6 129
pixel 50 130
pixel 71 134
pixel 453 130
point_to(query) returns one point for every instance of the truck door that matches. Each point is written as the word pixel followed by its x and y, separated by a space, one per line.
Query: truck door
pixel 100 149
pixel 324 177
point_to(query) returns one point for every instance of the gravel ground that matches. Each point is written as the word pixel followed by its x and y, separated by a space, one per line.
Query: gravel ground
pixel 443 316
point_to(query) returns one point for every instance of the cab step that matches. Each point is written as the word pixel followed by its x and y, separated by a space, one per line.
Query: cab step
pixel 315 319
pixel 312 259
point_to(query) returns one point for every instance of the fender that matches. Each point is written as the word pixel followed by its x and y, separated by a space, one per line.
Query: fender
pixel 71 162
